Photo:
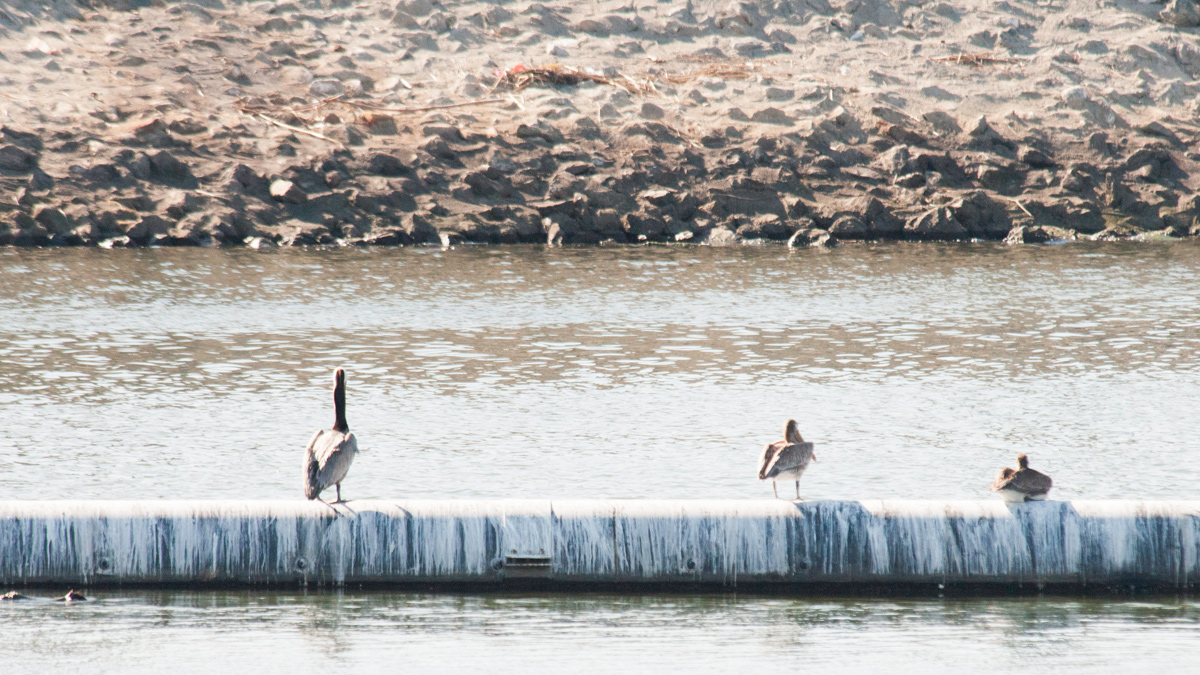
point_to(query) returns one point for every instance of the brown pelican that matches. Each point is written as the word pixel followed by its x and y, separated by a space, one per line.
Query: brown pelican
pixel 329 454
pixel 71 596
pixel 13 595
pixel 1022 485
pixel 786 459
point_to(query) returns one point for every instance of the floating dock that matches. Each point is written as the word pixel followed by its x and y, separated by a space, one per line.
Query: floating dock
pixel 775 545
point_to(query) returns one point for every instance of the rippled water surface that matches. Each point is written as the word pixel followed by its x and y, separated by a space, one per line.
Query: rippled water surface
pixel 918 370
pixel 132 632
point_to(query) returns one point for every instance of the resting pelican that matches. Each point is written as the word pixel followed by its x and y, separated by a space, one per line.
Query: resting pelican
pixel 786 459
pixel 71 596
pixel 1022 485
pixel 329 454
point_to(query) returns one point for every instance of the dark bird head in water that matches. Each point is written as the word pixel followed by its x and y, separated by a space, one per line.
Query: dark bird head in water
pixel 1023 461
pixel 72 596
pixel 339 401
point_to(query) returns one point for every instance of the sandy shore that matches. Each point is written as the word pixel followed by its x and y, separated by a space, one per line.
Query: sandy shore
pixel 218 122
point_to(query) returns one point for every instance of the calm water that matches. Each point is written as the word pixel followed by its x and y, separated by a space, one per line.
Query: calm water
pixel 919 370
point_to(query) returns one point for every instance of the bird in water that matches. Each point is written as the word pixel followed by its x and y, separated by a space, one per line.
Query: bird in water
pixel 329 454
pixel 71 596
pixel 786 459
pixel 13 595
pixel 1023 485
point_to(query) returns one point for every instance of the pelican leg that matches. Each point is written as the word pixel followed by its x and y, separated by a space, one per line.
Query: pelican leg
pixel 775 488
pixel 797 489
pixel 339 493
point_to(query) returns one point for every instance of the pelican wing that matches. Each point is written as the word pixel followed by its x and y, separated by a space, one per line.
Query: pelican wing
pixel 1002 479
pixel 1031 482
pixel 769 457
pixel 327 460
pixel 781 457
pixel 1027 481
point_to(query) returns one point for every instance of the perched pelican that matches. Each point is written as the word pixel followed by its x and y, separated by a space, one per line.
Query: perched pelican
pixel 71 596
pixel 1022 485
pixel 329 454
pixel 786 459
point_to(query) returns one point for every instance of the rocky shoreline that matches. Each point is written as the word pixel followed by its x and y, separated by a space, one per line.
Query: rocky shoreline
pixel 328 122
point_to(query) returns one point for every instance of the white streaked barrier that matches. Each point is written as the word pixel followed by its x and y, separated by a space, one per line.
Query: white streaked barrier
pixel 721 543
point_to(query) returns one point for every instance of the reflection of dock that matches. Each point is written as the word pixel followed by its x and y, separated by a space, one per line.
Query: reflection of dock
pixel 774 545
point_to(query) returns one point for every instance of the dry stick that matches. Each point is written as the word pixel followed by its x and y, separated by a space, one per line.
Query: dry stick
pixel 298 130
pixel 1020 205
pixel 368 106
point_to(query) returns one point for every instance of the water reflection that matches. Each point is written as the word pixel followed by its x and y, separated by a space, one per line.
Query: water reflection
pixel 379 631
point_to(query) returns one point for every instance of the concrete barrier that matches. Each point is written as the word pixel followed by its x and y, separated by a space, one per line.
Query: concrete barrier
pixel 718 544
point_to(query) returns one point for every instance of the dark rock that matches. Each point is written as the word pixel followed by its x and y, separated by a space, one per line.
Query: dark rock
pixel 643 227
pixel 1078 177
pixel 1182 13
pixel 1069 212
pixel 1001 178
pixel 655 131
pixel 40 181
pixel 748 198
pixel 1023 234
pixel 378 124
pixel 166 167
pixel 147 228
pixel 765 226
pixel 893 161
pixel 982 216
pixel 420 230
pixel 238 76
pixel 482 186
pixel 13 158
pixel 53 219
pixel 249 179
pixel 102 174
pixel 561 229
pixel 1034 158
pixel 938 224
pixel 721 236
pixel 386 165
pixel 942 164
pixel 849 227
pixel 1160 130
pixel 24 139
pixel 580 168
pixel 390 236
pixel 807 234
pixel 543 131
pixel 1157 164
pixel 902 135
pixel 1098 142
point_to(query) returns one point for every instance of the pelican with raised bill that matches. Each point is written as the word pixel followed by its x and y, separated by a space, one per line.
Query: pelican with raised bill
pixel 329 454
pixel 1024 484
pixel 786 459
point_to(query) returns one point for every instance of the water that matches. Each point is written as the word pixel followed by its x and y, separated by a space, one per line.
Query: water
pixel 918 370
pixel 146 632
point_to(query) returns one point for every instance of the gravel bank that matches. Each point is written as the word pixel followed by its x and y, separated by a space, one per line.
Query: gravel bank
pixel 328 122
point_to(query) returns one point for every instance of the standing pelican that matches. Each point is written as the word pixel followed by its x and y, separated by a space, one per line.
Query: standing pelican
pixel 1022 485
pixel 786 459
pixel 329 454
